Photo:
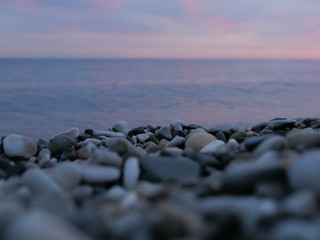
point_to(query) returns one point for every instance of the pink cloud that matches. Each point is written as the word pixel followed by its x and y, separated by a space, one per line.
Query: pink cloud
pixel 221 23
pixel 192 5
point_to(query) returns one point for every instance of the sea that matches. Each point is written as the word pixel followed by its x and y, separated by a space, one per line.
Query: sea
pixel 42 97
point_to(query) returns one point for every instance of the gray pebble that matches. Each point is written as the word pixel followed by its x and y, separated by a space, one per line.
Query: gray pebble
pixel 131 172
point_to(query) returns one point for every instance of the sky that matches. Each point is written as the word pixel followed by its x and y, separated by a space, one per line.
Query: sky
pixel 275 29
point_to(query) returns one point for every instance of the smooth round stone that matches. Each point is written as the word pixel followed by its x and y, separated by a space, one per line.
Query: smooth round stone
pixel 273 143
pixel 105 157
pixel 304 172
pixel 199 140
pixel 72 132
pixel 66 175
pixel 116 193
pixel 15 145
pixel 99 174
pixel 212 147
pixel 38 225
pixel 303 139
pixel 164 132
pixel 121 126
pixel 170 168
pixel 131 172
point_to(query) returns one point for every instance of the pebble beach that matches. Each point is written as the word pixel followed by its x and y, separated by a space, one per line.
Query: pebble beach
pixel 176 181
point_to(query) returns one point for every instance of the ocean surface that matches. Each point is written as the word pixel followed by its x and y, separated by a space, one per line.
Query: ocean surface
pixel 41 97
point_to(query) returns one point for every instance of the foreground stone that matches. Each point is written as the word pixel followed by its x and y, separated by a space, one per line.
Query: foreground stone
pixel 164 182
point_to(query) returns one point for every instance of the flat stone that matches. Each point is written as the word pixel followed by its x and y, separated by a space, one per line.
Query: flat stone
pixel 251 143
pixel 143 137
pixel 98 174
pixel 108 134
pixel 18 146
pixel 304 172
pixel 72 132
pixel 212 147
pixel 131 172
pixel 164 132
pixel 199 140
pixel 121 126
pixel 170 168
pixel 104 156
pixel 67 175
pixel 37 225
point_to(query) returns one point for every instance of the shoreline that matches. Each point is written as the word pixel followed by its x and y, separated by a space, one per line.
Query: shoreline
pixel 165 182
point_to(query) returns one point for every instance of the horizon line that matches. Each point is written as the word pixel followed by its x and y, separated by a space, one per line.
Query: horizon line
pixel 156 58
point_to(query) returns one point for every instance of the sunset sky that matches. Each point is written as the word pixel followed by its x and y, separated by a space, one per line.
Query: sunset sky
pixel 276 29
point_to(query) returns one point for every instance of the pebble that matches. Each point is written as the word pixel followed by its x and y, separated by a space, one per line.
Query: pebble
pixel 67 175
pixel 63 147
pixel 199 140
pixel 212 147
pixel 38 225
pixel 143 137
pixel 272 143
pixel 170 168
pixel 98 174
pixel 177 141
pixel 121 126
pixel 18 146
pixel 105 157
pixel 164 132
pixel 72 132
pixel 218 183
pixel 304 172
pixel 46 193
pixel 176 125
pixel 108 134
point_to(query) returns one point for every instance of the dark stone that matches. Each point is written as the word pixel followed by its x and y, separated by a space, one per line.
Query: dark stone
pixel 239 136
pixel 304 172
pixel 63 146
pixel 170 168
pixel 252 142
pixel 220 136
pixel 136 131
pixel 243 177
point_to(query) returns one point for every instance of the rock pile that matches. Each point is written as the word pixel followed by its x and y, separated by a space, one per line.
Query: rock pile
pixel 166 182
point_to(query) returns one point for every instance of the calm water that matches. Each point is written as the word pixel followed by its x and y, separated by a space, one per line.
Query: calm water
pixel 39 98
